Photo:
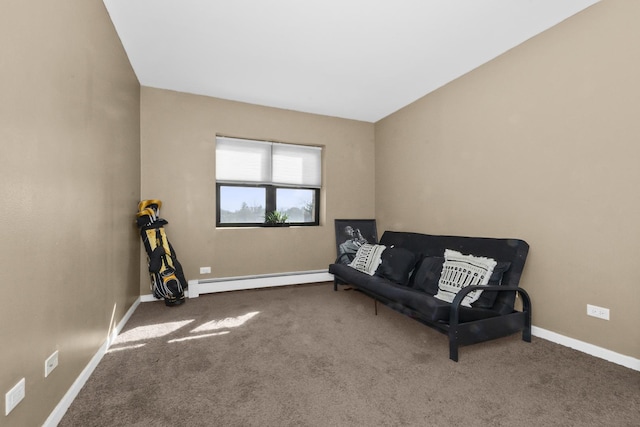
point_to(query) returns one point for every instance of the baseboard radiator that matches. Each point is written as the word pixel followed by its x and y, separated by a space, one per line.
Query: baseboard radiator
pixel 224 284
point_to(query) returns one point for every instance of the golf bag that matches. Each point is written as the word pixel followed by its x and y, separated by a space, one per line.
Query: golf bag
pixel 167 279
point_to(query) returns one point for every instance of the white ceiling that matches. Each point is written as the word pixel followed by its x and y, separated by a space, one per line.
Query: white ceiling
pixel 356 59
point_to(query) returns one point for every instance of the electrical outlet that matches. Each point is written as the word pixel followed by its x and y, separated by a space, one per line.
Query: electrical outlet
pixel 599 312
pixel 14 396
pixel 51 363
pixel 205 270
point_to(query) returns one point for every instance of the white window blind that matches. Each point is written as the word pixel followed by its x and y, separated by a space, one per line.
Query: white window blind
pixel 243 161
pixel 250 162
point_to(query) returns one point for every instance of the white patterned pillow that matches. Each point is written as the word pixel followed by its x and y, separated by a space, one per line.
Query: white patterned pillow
pixel 460 271
pixel 368 258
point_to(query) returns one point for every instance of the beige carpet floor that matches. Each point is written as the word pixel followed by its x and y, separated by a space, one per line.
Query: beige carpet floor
pixel 309 356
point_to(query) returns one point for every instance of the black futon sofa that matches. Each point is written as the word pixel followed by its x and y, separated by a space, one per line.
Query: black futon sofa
pixel 408 284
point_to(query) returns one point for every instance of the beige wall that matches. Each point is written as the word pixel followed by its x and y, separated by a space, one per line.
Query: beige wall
pixel 540 144
pixel 178 167
pixel 70 179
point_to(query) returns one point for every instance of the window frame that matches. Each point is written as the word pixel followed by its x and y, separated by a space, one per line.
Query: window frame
pixel 270 191
pixel 270 204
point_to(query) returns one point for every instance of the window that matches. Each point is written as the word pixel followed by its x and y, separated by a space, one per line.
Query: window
pixel 254 178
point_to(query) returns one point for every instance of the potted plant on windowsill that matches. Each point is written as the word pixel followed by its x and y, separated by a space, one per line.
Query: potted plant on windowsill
pixel 276 219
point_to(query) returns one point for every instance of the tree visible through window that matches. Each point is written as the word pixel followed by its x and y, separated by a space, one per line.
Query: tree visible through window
pixel 242 204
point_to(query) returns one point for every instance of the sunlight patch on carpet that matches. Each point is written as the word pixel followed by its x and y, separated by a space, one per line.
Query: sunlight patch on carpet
pixel 126 347
pixel 229 322
pixel 151 331
pixel 195 337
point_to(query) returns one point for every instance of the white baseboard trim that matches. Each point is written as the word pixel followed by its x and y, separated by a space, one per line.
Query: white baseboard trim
pixel 198 287
pixel 58 412
pixel 593 350
pixel 148 298
pixel 151 298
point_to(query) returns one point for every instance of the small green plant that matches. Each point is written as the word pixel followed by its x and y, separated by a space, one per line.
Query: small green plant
pixel 276 217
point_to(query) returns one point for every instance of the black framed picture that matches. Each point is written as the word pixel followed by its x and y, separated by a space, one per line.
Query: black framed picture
pixel 351 234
